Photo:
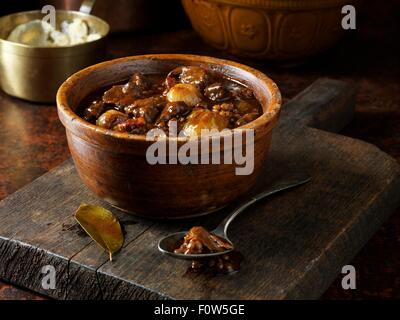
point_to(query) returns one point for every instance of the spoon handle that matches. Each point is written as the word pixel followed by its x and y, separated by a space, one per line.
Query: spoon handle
pixel 87 6
pixel 222 228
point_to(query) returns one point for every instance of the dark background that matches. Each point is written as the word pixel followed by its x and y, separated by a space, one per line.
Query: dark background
pixel 32 140
pixel 165 14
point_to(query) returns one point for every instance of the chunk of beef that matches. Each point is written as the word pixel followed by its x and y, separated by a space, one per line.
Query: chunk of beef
pixel 119 96
pixel 95 109
pixel 239 91
pixel 194 75
pixel 217 92
pixel 188 75
pixel 148 108
pixel 199 240
pixel 174 110
pixel 139 81
pixel 126 94
pixel 135 126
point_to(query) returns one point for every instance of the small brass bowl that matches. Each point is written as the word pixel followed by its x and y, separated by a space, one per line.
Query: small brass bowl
pixel 35 73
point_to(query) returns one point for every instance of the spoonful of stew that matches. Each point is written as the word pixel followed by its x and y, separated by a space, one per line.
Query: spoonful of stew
pixel 198 243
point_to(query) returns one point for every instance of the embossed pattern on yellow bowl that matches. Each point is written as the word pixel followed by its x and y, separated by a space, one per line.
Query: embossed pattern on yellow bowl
pixel 268 29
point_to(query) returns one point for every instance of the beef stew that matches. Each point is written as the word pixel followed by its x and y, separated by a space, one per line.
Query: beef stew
pixel 192 97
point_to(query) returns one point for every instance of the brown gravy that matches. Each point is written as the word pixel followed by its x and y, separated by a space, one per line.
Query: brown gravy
pixel 191 97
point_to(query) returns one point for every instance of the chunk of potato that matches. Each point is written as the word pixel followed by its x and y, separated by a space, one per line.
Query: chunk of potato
pixel 187 93
pixel 111 118
pixel 203 119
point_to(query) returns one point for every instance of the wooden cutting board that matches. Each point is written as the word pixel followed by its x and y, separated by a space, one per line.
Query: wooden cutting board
pixel 294 244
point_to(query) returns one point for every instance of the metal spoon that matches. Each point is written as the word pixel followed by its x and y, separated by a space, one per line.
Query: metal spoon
pixel 168 244
pixel 87 6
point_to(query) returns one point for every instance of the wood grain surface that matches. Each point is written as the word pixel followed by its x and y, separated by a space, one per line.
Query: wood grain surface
pixel 294 244
pixel 32 141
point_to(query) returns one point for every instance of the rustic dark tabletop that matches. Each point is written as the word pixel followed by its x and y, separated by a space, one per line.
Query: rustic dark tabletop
pixel 32 140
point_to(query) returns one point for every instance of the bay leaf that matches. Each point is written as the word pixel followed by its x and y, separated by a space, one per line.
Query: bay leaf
pixel 102 226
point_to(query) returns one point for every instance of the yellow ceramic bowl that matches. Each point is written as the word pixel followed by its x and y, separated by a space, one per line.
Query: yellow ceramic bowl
pixel 35 73
pixel 268 29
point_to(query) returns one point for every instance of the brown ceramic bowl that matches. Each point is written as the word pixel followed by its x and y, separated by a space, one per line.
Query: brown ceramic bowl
pixel 114 166
pixel 278 30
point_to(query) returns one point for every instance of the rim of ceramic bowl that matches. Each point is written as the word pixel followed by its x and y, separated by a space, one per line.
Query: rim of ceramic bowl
pixel 72 121
pixel 23 47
